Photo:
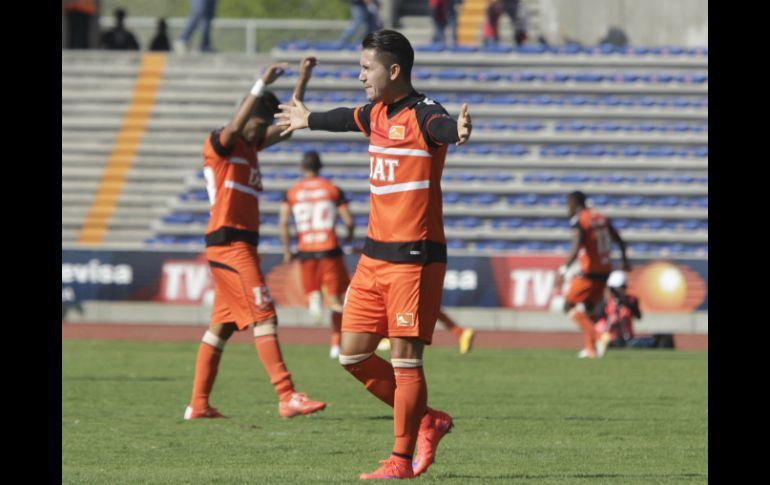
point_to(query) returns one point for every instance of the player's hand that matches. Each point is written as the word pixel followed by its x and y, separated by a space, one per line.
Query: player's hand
pixel 306 66
pixel 292 116
pixel 464 126
pixel 274 72
pixel 287 256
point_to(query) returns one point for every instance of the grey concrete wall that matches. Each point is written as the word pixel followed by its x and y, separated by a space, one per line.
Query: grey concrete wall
pixel 646 22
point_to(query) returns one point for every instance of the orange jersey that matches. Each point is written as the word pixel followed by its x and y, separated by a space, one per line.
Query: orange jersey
pixel 314 203
pixel 233 182
pixel 594 253
pixel 405 216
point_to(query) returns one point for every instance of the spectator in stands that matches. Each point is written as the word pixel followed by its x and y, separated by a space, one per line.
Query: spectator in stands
pixel 442 13
pixel 515 11
pixel 491 21
pixel 364 14
pixel 201 12
pixel 160 41
pixel 79 15
pixel 118 38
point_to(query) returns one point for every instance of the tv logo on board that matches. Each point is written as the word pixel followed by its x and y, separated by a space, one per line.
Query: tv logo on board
pixel 185 282
pixel 532 287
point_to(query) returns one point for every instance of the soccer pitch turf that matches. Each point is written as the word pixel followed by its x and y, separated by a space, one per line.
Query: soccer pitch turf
pixel 521 416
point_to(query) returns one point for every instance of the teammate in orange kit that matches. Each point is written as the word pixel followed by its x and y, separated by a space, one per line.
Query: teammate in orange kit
pixel 315 203
pixel 241 298
pixel 397 286
pixel 591 238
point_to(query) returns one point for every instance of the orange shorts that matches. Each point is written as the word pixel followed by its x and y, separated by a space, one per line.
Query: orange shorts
pixel 240 292
pixel 394 299
pixel 584 290
pixel 330 273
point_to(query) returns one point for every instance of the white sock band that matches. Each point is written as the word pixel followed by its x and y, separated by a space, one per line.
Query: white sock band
pixel 264 329
pixel 406 363
pixel 213 340
pixel 354 359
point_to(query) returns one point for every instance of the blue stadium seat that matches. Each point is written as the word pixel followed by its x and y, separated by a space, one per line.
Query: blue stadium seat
pixel 470 222
pixel 497 49
pixel 451 198
pixel 361 221
pixel 463 48
pixel 631 151
pixel 598 200
pixel 451 75
pixel 534 246
pixel 701 152
pixel 558 77
pixel 437 47
pixel 639 247
pixel 620 224
pixel 421 74
pixel 525 76
pixel 486 76
pixel 456 244
pixel 198 195
pixel 588 77
pixel 547 223
pixel 531 49
pixel 273 196
pixel 181 218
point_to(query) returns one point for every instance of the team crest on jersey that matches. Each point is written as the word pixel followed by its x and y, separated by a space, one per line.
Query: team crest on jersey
pixel 397 132
pixel 405 319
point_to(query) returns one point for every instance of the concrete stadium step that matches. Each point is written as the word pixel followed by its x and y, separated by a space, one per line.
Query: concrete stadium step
pixel 512 60
pixel 505 188
pixel 498 210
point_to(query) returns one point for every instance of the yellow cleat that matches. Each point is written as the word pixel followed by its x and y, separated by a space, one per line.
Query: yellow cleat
pixel 466 340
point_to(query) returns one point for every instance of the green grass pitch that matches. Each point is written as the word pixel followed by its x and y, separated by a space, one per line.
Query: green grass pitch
pixel 521 416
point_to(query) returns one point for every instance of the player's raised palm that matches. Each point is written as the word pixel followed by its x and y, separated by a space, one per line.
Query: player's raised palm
pixel 464 126
pixel 292 116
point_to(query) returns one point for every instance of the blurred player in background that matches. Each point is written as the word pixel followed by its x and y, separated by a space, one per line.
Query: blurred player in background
pixel 315 202
pixel 241 297
pixel 592 234
pixel 396 290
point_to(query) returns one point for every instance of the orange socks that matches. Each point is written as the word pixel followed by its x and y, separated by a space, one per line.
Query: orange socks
pixel 272 360
pixel 375 373
pixel 410 403
pixel 206 367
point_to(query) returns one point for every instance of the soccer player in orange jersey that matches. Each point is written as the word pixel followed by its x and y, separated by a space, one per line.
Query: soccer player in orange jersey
pixel 241 298
pixel 591 238
pixel 397 286
pixel 315 202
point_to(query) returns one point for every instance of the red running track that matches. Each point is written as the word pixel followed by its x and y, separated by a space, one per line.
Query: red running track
pixel 303 335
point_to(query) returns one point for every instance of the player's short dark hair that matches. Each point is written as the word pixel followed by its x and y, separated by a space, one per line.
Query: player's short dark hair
pixel 393 45
pixel 267 106
pixel 311 161
pixel 578 197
